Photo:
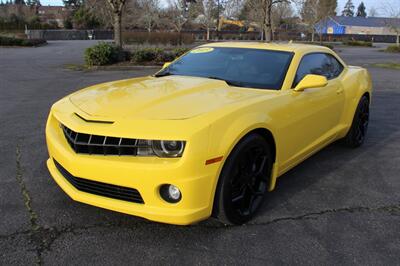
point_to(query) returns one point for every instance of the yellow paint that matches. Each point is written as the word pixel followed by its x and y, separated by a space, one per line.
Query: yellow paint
pixel 166 64
pixel 311 82
pixel 211 117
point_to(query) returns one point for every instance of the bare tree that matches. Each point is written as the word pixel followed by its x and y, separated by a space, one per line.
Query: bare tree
pixel 326 8
pixel 394 21
pixel 116 8
pixel 315 14
pixel 267 25
pixel 309 14
pixel 256 13
pixel 373 12
pixel 280 12
pixel 261 11
pixel 177 14
pixel 233 8
pixel 102 11
pixel 207 18
pixel 150 13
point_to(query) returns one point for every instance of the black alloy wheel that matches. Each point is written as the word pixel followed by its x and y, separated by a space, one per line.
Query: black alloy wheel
pixel 357 133
pixel 244 181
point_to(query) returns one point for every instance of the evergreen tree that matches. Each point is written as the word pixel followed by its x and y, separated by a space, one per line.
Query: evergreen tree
pixel 361 10
pixel 348 10
pixel 19 2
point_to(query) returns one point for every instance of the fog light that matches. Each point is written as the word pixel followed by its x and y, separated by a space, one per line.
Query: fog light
pixel 170 193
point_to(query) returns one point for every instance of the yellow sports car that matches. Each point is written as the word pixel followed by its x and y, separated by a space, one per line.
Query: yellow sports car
pixel 209 134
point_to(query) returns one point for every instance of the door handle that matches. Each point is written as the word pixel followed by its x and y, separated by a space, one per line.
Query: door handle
pixel 339 91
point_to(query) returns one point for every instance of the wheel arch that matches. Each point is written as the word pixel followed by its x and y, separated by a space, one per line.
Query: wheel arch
pixel 368 95
pixel 269 137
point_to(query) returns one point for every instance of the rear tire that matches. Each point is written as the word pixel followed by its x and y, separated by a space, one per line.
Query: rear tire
pixel 358 130
pixel 244 181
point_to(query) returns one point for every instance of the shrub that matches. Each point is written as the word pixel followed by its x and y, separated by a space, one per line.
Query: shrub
pixel 358 43
pixel 156 55
pixel 104 54
pixel 393 49
pixel 147 55
pixel 9 41
pixel 179 51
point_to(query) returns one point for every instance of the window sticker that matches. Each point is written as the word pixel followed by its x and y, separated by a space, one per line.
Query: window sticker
pixel 202 50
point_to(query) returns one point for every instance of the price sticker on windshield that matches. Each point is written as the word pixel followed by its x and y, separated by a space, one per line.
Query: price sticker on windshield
pixel 202 50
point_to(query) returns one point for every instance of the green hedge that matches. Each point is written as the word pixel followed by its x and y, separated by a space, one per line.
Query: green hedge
pixel 358 43
pixel 156 55
pixel 103 54
pixel 106 53
pixel 9 41
pixel 393 49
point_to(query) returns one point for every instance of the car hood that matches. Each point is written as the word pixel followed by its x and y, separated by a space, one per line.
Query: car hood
pixel 163 98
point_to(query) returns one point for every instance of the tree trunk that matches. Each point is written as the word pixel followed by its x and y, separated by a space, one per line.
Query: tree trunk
pixel 267 22
pixel 208 33
pixel 398 40
pixel 313 35
pixel 117 29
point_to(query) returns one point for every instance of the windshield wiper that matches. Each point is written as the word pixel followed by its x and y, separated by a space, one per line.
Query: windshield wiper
pixel 229 82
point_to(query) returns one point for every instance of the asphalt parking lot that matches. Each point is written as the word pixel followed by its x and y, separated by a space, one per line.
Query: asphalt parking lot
pixel 341 206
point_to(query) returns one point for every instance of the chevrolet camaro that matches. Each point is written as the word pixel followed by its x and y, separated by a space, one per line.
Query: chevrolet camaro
pixel 207 135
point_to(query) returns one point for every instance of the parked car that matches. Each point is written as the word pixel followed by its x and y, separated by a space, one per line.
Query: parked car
pixel 209 134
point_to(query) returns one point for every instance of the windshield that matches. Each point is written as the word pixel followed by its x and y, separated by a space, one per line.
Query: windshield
pixel 252 68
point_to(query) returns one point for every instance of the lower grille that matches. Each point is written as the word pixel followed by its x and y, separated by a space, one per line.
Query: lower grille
pixel 101 189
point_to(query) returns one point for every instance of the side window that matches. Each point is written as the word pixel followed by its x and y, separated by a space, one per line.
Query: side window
pixel 336 66
pixel 318 64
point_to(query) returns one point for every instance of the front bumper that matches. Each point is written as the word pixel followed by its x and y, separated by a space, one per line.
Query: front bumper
pixel 195 179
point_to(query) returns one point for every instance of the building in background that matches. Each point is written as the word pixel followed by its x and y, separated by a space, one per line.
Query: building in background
pixel 53 14
pixel 340 25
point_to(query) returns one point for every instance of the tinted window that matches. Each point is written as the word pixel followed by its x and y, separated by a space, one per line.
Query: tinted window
pixel 336 68
pixel 318 64
pixel 254 68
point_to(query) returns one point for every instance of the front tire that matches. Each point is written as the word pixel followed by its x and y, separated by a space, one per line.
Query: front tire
pixel 244 181
pixel 358 130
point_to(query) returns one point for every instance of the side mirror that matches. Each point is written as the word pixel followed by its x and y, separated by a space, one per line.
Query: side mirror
pixel 166 64
pixel 311 81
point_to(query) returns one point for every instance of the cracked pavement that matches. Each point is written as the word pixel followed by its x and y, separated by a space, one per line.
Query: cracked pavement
pixel 341 206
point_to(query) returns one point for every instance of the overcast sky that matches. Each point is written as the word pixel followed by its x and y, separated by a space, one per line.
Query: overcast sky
pixel 368 3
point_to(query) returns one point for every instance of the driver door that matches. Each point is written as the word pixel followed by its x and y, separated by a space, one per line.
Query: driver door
pixel 313 115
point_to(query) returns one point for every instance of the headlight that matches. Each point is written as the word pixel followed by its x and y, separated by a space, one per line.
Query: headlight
pixel 168 148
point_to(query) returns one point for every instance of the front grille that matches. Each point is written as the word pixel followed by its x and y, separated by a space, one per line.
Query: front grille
pixel 99 188
pixel 95 144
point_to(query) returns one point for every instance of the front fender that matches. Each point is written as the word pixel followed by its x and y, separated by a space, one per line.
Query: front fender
pixel 226 132
pixel 357 83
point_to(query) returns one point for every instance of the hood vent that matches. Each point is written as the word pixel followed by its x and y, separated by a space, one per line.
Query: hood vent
pixel 94 121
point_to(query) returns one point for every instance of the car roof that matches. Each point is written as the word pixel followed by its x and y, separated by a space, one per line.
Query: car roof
pixel 286 47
